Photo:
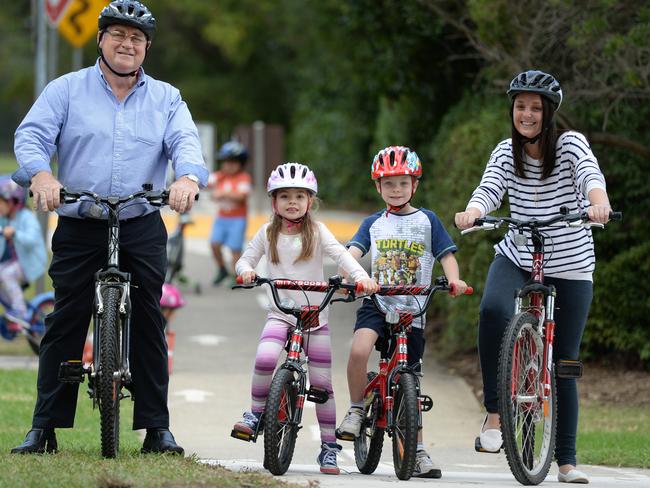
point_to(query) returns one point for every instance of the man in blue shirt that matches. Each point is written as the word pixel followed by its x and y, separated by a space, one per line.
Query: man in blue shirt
pixel 113 129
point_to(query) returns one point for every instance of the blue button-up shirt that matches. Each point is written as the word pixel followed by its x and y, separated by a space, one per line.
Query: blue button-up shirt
pixel 105 145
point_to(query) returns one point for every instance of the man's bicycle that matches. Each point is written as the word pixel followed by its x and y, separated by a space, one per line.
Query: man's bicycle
pixel 282 415
pixel 527 371
pixel 393 400
pixel 109 371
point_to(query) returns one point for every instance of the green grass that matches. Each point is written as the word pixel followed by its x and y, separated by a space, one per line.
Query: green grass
pixel 8 163
pixel 614 435
pixel 79 463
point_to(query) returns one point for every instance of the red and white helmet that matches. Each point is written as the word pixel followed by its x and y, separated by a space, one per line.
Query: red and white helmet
pixel 396 161
pixel 171 297
pixel 292 175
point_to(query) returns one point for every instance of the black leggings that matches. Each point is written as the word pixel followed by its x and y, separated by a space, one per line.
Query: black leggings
pixel 571 311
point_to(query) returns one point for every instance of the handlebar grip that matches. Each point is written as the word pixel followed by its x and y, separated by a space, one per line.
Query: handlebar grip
pixel 468 291
pixel 615 215
pixel 239 280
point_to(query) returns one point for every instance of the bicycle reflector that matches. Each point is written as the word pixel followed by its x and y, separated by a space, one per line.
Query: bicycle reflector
pixel 568 368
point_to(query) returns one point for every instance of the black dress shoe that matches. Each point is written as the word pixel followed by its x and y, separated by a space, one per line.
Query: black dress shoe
pixel 161 441
pixel 37 441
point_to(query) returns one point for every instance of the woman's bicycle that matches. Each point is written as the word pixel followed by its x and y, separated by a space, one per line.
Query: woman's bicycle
pixel 526 371
pixel 109 371
pixel 393 400
pixel 282 415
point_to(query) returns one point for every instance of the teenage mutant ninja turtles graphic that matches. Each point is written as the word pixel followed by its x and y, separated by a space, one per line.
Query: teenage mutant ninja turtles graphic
pixel 397 262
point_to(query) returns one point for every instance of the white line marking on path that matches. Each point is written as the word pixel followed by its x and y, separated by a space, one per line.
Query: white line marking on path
pixel 208 339
pixel 194 396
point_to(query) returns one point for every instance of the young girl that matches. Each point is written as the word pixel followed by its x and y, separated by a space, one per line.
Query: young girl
pixel 23 257
pixel 294 245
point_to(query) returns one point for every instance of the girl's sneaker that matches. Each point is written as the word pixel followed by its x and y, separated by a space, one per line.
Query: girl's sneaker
pixel 248 424
pixel 327 458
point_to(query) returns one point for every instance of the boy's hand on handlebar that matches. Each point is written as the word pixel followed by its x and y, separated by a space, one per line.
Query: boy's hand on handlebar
pixel 368 286
pixel 457 287
pixel 45 189
pixel 599 213
pixel 247 277
pixel 465 220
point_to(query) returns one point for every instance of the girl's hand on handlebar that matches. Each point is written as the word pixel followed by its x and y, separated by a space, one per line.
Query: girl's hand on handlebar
pixel 599 213
pixel 247 277
pixel 465 220
pixel 368 286
pixel 457 287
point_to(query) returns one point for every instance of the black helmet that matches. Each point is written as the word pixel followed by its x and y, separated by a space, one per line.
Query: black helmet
pixel 232 150
pixel 128 12
pixel 534 81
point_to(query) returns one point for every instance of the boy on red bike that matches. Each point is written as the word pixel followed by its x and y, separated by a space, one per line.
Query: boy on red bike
pixel 404 243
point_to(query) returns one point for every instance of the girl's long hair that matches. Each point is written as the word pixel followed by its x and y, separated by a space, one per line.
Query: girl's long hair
pixel 548 140
pixel 307 236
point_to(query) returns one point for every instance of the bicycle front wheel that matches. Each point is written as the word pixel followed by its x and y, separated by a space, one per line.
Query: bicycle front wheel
pixel 528 420
pixel 280 428
pixel 109 385
pixel 368 446
pixel 405 425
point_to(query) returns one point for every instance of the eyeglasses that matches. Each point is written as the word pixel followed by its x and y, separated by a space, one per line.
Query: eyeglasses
pixel 120 37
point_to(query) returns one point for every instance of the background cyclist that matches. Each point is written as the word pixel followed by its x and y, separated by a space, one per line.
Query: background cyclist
pixel 113 128
pixel 540 171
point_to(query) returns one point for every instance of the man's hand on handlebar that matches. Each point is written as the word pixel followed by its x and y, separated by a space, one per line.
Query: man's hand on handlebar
pixel 182 194
pixel 45 189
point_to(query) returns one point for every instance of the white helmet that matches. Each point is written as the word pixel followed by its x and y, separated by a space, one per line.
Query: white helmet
pixel 292 175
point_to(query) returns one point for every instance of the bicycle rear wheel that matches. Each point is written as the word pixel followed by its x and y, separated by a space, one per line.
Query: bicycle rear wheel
pixel 37 324
pixel 368 446
pixel 405 425
pixel 280 429
pixel 109 384
pixel 528 422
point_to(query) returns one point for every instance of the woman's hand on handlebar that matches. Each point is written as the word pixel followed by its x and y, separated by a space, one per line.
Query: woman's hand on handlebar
pixel 247 277
pixel 599 213
pixel 45 189
pixel 465 220
pixel 367 286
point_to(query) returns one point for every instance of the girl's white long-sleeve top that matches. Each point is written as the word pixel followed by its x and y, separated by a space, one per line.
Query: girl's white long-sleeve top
pixel 289 248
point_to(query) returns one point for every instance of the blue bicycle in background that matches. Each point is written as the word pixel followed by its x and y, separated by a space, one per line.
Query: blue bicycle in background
pixel 33 330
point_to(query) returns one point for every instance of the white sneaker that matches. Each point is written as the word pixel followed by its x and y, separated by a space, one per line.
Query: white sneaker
pixel 424 467
pixel 350 427
pixel 573 476
pixel 491 440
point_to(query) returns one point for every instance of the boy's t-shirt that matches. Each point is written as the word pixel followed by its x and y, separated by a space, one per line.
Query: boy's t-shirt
pixel 239 183
pixel 403 249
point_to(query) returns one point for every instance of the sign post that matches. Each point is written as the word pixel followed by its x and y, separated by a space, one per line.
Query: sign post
pixel 54 10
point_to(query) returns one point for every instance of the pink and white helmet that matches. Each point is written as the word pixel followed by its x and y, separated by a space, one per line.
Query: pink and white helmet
pixel 171 297
pixel 292 175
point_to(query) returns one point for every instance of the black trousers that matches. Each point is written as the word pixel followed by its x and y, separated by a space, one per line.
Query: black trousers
pixel 79 249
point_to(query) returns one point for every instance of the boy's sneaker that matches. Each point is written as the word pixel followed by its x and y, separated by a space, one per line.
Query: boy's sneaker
pixel 221 275
pixel 327 458
pixel 351 425
pixel 424 467
pixel 248 424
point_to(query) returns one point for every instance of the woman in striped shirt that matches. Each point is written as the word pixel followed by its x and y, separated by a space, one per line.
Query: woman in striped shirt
pixel 540 171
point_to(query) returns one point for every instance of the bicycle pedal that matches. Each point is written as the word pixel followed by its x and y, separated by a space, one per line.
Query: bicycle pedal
pixel 426 403
pixel 568 368
pixel 344 436
pixel 317 395
pixel 72 372
pixel 479 448
pixel 243 436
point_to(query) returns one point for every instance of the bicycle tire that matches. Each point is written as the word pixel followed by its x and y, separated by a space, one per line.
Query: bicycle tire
pixel 527 425
pixel 369 444
pixel 108 387
pixel 37 325
pixel 280 432
pixel 405 425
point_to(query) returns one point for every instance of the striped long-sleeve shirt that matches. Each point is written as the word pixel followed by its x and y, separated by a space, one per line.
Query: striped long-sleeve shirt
pixel 569 250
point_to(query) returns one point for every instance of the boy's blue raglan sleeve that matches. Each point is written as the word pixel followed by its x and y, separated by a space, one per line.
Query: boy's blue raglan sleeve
pixel 361 239
pixel 441 242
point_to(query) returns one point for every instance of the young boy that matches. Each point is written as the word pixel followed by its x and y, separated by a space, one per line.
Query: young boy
pixel 231 186
pixel 404 243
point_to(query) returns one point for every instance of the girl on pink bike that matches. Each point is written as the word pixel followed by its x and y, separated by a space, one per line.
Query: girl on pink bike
pixel 295 245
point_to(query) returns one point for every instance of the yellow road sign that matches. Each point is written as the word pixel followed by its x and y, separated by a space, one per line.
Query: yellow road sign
pixel 79 22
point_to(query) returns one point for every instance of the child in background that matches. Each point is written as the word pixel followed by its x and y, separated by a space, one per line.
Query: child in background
pixel 23 256
pixel 404 243
pixel 295 245
pixel 231 186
